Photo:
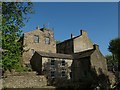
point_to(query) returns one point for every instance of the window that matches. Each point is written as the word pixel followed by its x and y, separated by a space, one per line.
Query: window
pixel 52 74
pixel 52 62
pixel 63 74
pixel 36 38
pixel 47 40
pixel 32 50
pixel 63 62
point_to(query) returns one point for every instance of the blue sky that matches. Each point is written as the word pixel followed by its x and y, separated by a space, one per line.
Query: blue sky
pixel 100 20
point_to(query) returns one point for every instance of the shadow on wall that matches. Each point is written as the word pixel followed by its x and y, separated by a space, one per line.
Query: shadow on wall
pixel 96 82
pixel 60 80
pixel 56 74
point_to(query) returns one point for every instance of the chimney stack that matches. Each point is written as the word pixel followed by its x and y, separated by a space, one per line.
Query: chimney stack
pixel 72 36
pixel 37 27
pixel 95 47
pixel 83 32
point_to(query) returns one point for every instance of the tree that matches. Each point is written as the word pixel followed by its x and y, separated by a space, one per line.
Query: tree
pixel 58 41
pixel 111 63
pixel 114 48
pixel 13 16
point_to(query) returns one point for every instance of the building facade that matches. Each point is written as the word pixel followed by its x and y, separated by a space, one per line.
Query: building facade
pixel 71 60
pixel 38 40
pixel 75 44
pixel 54 66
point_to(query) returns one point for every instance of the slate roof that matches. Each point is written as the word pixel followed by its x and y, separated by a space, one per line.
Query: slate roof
pixel 83 54
pixel 78 55
pixel 55 55
pixel 68 39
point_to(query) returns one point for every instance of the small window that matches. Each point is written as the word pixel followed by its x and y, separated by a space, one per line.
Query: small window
pixel 36 38
pixel 63 62
pixel 52 62
pixel 52 74
pixel 63 74
pixel 32 50
pixel 47 40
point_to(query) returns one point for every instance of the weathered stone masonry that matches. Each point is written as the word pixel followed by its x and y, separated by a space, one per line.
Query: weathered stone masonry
pixel 79 54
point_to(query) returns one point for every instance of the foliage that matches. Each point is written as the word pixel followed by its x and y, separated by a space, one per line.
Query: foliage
pixel 0 49
pixel 58 41
pixel 13 16
pixel 110 62
pixel 114 48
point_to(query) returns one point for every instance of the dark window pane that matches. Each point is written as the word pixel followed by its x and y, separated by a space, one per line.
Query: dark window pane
pixel 63 73
pixel 52 74
pixel 63 62
pixel 52 62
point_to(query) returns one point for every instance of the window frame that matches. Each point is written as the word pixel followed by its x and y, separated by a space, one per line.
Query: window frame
pixel 33 51
pixel 36 38
pixel 63 64
pixel 47 40
pixel 62 73
pixel 52 63
pixel 52 74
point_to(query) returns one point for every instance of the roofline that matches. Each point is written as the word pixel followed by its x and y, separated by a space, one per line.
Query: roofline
pixel 68 39
pixel 38 29
pixel 81 33
pixel 69 56
pixel 85 51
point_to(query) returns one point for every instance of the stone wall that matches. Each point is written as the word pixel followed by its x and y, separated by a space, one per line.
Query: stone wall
pixel 82 42
pixel 65 47
pixel 30 46
pixel 58 68
pixel 25 80
pixel 43 66
pixel 98 61
pixel 75 44
pixel 81 69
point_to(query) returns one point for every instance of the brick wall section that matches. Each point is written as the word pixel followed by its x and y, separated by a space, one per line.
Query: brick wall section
pixel 28 42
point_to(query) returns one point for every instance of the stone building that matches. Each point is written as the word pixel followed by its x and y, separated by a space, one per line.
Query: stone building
pixel 38 40
pixel 75 44
pixel 53 65
pixel 87 61
pixel 73 59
